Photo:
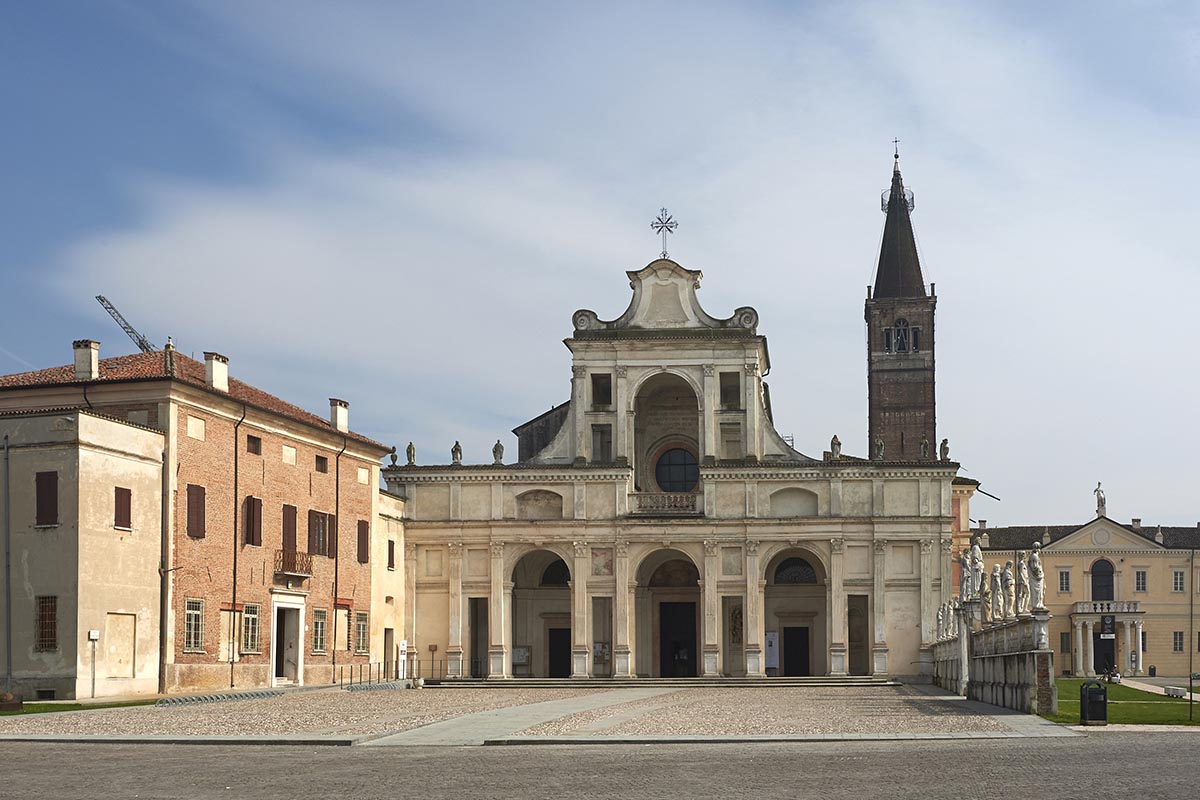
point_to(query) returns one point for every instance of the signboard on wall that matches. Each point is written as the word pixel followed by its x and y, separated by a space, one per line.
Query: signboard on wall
pixel 771 648
pixel 1108 626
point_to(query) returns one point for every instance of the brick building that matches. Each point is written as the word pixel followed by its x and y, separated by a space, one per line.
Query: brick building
pixel 266 520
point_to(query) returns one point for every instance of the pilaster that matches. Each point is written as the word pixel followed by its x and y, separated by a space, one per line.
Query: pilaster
pixel 837 605
pixel 622 603
pixel 712 613
pixel 879 650
pixel 498 663
pixel 454 652
pixel 580 630
pixel 754 607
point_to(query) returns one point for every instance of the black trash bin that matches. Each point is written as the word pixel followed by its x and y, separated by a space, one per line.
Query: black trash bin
pixel 1093 703
pixel 1153 671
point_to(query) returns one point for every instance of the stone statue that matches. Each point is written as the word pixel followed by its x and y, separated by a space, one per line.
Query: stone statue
pixel 835 447
pixel 1022 584
pixel 944 450
pixel 924 448
pixel 1037 579
pixel 411 452
pixel 997 594
pixel 965 581
pixel 1101 510
pixel 456 453
pixel 392 455
pixel 497 453
pixel 879 447
pixel 1010 591
pixel 977 580
pixel 985 598
pixel 941 622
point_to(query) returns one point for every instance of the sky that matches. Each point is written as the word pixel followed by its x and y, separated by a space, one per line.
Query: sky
pixel 402 205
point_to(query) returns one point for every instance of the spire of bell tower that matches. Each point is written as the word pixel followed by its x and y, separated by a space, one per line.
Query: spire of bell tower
pixel 899 271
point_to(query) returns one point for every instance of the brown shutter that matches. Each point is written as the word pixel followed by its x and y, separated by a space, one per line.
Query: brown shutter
pixel 364 541
pixel 195 511
pixel 123 504
pixel 47 499
pixel 289 529
pixel 391 554
pixel 253 521
pixel 312 531
pixel 331 530
pixel 258 521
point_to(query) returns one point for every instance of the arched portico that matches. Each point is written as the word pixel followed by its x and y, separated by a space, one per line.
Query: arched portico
pixel 669 615
pixel 796 613
pixel 541 615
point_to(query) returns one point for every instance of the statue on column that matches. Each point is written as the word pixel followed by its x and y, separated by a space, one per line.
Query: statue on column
pixel 1037 579
pixel 997 594
pixel 985 597
pixel 456 453
pixel 1010 591
pixel 924 448
pixel 835 447
pixel 497 453
pixel 965 579
pixel 1101 504
pixel 879 448
pixel 977 579
pixel 944 450
pixel 1022 584
pixel 411 452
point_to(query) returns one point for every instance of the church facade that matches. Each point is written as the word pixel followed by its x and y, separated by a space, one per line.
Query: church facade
pixel 657 525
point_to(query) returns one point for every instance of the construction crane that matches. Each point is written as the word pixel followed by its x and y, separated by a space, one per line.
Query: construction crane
pixel 138 339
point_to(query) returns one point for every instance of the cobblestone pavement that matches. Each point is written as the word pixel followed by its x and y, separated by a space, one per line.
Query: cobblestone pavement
pixel 1116 765
pixel 323 712
pixel 783 710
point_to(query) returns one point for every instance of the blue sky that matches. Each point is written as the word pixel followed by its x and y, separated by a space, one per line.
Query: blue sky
pixel 403 206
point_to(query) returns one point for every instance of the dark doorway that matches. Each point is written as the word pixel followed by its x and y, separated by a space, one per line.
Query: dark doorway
pixel 280 618
pixel 559 648
pixel 859 631
pixel 677 640
pixel 795 652
pixel 1106 654
pixel 477 619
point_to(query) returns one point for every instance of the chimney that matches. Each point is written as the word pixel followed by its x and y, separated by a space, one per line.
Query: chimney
pixel 216 371
pixel 983 524
pixel 87 360
pixel 985 541
pixel 1137 523
pixel 1046 536
pixel 1158 535
pixel 339 414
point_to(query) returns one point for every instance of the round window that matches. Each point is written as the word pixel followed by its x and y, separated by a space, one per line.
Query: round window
pixel 677 471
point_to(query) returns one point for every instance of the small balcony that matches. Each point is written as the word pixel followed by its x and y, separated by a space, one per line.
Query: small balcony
pixel 1107 607
pixel 291 563
pixel 666 504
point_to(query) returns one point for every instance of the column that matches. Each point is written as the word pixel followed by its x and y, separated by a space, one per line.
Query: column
pixel 497 610
pixel 580 630
pixel 753 440
pixel 837 607
pixel 410 599
pixel 928 607
pixel 454 654
pixel 711 666
pixel 583 438
pixel 1127 667
pixel 947 577
pixel 1090 664
pixel 879 651
pixel 710 403
pixel 622 652
pixel 753 615
pixel 621 447
pixel 1077 657
pixel 1137 632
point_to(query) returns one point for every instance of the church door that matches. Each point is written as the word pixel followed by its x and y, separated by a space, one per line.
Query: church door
pixel 559 641
pixel 677 640
pixel 795 652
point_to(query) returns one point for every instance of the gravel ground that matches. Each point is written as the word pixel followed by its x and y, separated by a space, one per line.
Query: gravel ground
pixel 786 710
pixel 324 712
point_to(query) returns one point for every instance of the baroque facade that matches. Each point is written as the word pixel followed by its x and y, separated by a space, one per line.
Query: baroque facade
pixel 656 524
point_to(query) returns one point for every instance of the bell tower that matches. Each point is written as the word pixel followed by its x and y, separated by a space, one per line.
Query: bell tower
pixel 900 340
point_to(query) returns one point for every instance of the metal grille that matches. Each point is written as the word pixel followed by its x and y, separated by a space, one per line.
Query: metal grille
pixel 46 624
pixel 193 626
pixel 318 639
pixel 250 629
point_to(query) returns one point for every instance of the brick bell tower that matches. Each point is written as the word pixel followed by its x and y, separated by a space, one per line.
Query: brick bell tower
pixel 900 340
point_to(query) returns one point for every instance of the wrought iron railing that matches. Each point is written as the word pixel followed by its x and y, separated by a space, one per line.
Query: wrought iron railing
pixel 666 503
pixel 289 562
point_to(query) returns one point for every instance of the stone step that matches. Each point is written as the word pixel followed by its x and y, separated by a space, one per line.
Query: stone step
pixel 820 681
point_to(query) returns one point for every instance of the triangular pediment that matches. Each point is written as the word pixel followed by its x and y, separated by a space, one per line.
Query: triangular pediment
pixel 664 298
pixel 1103 534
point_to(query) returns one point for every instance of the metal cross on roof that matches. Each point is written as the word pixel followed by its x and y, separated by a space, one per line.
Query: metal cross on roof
pixel 663 225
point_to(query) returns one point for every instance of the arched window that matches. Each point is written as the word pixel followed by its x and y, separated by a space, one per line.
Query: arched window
pixel 677 471
pixel 795 570
pixel 556 574
pixel 901 337
pixel 1102 580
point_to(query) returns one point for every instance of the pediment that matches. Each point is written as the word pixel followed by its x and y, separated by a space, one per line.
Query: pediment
pixel 664 298
pixel 1103 534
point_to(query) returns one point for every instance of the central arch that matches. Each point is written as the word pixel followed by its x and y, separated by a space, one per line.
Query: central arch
pixel 669 608
pixel 541 616
pixel 667 430
pixel 796 613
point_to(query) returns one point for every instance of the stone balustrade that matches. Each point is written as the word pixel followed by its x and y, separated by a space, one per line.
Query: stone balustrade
pixel 666 503
pixel 1107 607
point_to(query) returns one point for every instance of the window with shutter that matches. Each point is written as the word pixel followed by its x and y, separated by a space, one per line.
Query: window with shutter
pixel 331 531
pixel 195 511
pixel 391 554
pixel 123 508
pixel 253 523
pixel 289 529
pixel 46 512
pixel 321 538
pixel 364 541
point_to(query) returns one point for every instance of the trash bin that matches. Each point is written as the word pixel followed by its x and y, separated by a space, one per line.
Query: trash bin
pixel 1093 703
pixel 1153 671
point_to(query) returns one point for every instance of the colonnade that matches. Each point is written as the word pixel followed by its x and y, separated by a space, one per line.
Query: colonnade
pixel 1083 665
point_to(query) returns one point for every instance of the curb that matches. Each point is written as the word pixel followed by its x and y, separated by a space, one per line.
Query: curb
pixel 52 738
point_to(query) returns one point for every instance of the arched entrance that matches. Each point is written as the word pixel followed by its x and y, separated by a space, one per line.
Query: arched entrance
pixel 541 616
pixel 1104 642
pixel 795 605
pixel 668 615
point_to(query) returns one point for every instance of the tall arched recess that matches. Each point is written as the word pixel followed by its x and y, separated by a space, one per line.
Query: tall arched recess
pixel 667 430
pixel 793 502
pixel 541 616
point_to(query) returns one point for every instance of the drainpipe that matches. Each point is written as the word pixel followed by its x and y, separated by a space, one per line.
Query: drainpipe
pixel 1191 630
pixel 164 571
pixel 233 641
pixel 8 674
pixel 337 554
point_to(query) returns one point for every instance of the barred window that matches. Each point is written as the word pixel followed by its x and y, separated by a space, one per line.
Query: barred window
pixel 250 629
pixel 1177 581
pixel 46 623
pixel 1177 641
pixel 320 616
pixel 320 543
pixel 361 633
pixel 1064 581
pixel 193 626
pixel 1139 580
